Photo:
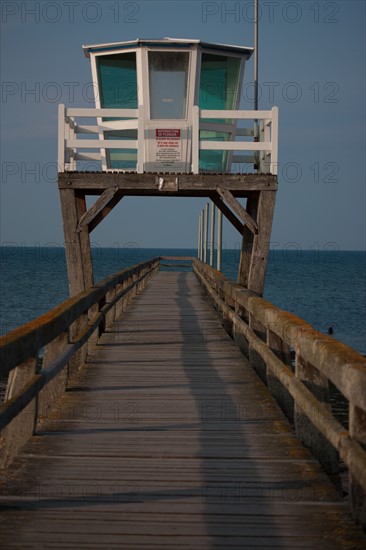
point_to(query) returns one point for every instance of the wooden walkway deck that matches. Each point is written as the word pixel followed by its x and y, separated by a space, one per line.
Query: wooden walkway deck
pixel 169 440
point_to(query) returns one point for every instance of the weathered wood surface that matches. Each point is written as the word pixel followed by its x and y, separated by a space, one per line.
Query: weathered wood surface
pixel 169 440
pixel 182 184
pixel 265 334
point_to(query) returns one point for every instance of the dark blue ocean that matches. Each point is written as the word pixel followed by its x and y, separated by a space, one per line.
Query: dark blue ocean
pixel 323 287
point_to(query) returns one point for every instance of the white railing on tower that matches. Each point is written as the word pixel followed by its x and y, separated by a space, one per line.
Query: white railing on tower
pixel 91 146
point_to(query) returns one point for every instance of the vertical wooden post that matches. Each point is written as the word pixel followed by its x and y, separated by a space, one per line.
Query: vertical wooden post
pixel 317 383
pixel 77 245
pixel 247 242
pixel 61 138
pixel 21 428
pixel 254 252
pixel 212 233
pixel 219 239
pixel 277 389
pixel 357 429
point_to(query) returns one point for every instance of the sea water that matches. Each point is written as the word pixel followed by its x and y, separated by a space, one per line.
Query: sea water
pixel 325 288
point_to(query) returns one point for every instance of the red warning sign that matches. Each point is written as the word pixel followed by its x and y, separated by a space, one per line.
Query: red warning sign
pixel 168 133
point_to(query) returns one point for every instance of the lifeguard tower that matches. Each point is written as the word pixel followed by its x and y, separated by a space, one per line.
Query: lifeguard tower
pixel 167 121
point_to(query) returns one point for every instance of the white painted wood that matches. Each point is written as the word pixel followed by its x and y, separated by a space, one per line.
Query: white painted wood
pixel 105 143
pixel 241 115
pixel 195 139
pixel 236 146
pixel 274 155
pixel 94 68
pixel 268 144
pixel 61 138
pixel 141 141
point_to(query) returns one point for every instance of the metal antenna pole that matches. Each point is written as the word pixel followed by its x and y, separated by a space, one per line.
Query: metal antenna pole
pixel 256 55
pixel 256 127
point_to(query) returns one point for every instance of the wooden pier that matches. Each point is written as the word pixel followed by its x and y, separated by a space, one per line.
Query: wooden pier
pixel 165 436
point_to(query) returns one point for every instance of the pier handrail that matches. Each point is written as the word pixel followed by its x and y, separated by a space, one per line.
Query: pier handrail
pixel 83 142
pixel 270 337
pixel 66 333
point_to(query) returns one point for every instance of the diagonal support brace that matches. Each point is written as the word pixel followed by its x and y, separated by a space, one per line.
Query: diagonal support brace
pixel 239 210
pixel 97 207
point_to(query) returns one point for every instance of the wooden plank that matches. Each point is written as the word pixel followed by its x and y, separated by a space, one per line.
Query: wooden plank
pixel 167 440
pixel 238 209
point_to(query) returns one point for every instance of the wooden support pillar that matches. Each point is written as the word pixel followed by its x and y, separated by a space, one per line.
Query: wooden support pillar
pixel 255 247
pixel 77 244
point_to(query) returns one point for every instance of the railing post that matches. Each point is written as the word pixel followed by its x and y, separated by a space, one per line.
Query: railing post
pixel 140 140
pixel 195 139
pixel 255 359
pixel 277 389
pixel 357 429
pixel 317 383
pixel 57 386
pixel 274 142
pixel 61 138
pixel 21 428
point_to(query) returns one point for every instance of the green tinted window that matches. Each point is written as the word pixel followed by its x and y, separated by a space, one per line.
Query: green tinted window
pixel 218 90
pixel 118 81
pixel 219 81
pixel 118 89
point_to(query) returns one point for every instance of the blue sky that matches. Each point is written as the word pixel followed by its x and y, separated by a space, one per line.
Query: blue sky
pixel 312 66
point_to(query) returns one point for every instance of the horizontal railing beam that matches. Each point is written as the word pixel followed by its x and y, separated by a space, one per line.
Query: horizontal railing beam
pixel 236 114
pixel 235 145
pixel 102 143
